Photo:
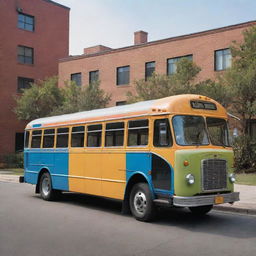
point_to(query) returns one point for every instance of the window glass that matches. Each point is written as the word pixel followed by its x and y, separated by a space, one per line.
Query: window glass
pixel 25 55
pixel 123 75
pixel 48 140
pixel 93 76
pixel 162 133
pixel 77 137
pixel 190 130
pixel 24 83
pixel 26 22
pixel 218 131
pixel 114 135
pixel 223 59
pixel 26 139
pixel 138 133
pixel 150 69
pixel 36 139
pixel 94 133
pixel 62 138
pixel 172 63
pixel 77 78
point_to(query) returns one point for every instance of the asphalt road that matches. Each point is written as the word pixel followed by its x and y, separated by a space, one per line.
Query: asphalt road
pixel 85 225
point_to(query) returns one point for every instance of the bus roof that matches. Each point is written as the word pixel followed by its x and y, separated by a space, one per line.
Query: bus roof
pixel 178 104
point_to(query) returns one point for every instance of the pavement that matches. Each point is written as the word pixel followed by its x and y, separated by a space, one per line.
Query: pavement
pixel 246 205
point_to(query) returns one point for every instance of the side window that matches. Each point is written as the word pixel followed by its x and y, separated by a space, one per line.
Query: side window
pixel 36 139
pixel 138 133
pixel 114 135
pixel 62 138
pixel 162 133
pixel 94 135
pixel 77 137
pixel 26 142
pixel 48 140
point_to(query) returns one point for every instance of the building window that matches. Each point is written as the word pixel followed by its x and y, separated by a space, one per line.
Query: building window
pixel 19 141
pixel 25 55
pixel 26 22
pixel 222 59
pixel 172 63
pixel 251 126
pixel 149 69
pixel 77 78
pixel 120 103
pixel 123 75
pixel 93 76
pixel 24 83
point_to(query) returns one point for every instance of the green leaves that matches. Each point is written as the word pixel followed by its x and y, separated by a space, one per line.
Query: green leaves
pixel 45 98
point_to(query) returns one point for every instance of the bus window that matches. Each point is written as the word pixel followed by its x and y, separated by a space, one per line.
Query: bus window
pixel 162 134
pixel 36 139
pixel 138 133
pixel 26 139
pixel 48 140
pixel 77 137
pixel 62 138
pixel 94 133
pixel 114 134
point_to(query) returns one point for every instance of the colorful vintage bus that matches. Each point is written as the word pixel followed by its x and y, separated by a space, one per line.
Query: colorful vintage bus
pixel 173 151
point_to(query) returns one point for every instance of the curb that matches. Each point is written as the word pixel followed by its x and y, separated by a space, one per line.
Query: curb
pixel 234 209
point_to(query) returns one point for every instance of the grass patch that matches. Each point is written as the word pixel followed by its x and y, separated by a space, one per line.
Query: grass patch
pixel 12 171
pixel 246 179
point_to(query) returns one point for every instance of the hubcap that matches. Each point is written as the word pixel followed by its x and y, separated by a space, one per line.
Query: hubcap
pixel 46 186
pixel 140 202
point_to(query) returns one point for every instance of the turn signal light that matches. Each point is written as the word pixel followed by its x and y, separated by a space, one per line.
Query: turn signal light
pixel 186 163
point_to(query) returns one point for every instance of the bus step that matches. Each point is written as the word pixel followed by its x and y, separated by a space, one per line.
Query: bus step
pixel 165 202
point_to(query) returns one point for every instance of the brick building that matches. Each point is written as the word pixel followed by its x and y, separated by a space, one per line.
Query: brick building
pixel 34 36
pixel 118 68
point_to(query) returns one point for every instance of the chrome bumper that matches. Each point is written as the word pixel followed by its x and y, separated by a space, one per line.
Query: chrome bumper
pixel 204 200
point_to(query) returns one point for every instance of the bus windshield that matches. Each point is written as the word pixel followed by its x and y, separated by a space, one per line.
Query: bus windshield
pixel 190 130
pixel 218 131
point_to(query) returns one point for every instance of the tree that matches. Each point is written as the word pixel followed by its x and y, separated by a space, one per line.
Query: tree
pixel 241 78
pixel 159 86
pixel 76 98
pixel 40 100
pixel 45 98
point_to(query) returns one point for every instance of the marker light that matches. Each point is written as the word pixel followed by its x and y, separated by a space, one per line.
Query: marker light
pixel 186 163
pixel 190 179
pixel 232 178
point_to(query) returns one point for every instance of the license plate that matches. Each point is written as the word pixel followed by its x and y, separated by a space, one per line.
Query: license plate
pixel 219 199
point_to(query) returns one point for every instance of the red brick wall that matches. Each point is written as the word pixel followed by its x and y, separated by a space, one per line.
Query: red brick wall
pixel 201 45
pixel 50 41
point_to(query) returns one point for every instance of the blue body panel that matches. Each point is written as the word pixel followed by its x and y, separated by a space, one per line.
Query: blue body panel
pixel 54 160
pixel 141 163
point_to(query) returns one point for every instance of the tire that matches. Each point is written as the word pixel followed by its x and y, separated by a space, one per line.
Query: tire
pixel 46 191
pixel 200 210
pixel 141 203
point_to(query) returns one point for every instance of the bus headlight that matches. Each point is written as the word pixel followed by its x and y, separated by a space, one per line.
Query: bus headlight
pixel 190 179
pixel 232 178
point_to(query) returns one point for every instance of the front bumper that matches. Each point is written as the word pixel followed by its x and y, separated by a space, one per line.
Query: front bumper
pixel 205 199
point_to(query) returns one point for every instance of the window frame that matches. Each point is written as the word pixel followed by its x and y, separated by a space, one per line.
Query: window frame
pixel 91 74
pixel 170 133
pixel 78 132
pixel 54 137
pixel 151 72
pixel 118 82
pixel 56 134
pixel 94 131
pixel 114 130
pixel 176 59
pixel 23 80
pixel 79 74
pixel 24 56
pixel 40 134
pixel 223 59
pixel 24 23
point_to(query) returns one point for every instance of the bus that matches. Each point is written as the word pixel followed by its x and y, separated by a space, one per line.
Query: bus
pixel 172 152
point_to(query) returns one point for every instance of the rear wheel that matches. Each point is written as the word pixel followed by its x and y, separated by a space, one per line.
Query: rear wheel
pixel 46 190
pixel 141 203
pixel 200 210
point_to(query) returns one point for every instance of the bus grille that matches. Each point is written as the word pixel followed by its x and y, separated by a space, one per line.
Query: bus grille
pixel 214 174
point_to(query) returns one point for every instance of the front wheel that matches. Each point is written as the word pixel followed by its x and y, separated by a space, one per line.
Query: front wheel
pixel 46 190
pixel 200 210
pixel 141 203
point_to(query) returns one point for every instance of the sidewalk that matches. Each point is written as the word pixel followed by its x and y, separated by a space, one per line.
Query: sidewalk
pixel 246 205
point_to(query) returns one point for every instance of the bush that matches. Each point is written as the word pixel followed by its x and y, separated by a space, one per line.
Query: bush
pixel 13 160
pixel 245 154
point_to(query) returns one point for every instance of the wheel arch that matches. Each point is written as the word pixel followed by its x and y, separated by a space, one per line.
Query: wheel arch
pixel 42 171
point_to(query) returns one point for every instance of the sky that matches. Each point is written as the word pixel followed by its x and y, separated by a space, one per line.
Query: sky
pixel 113 22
